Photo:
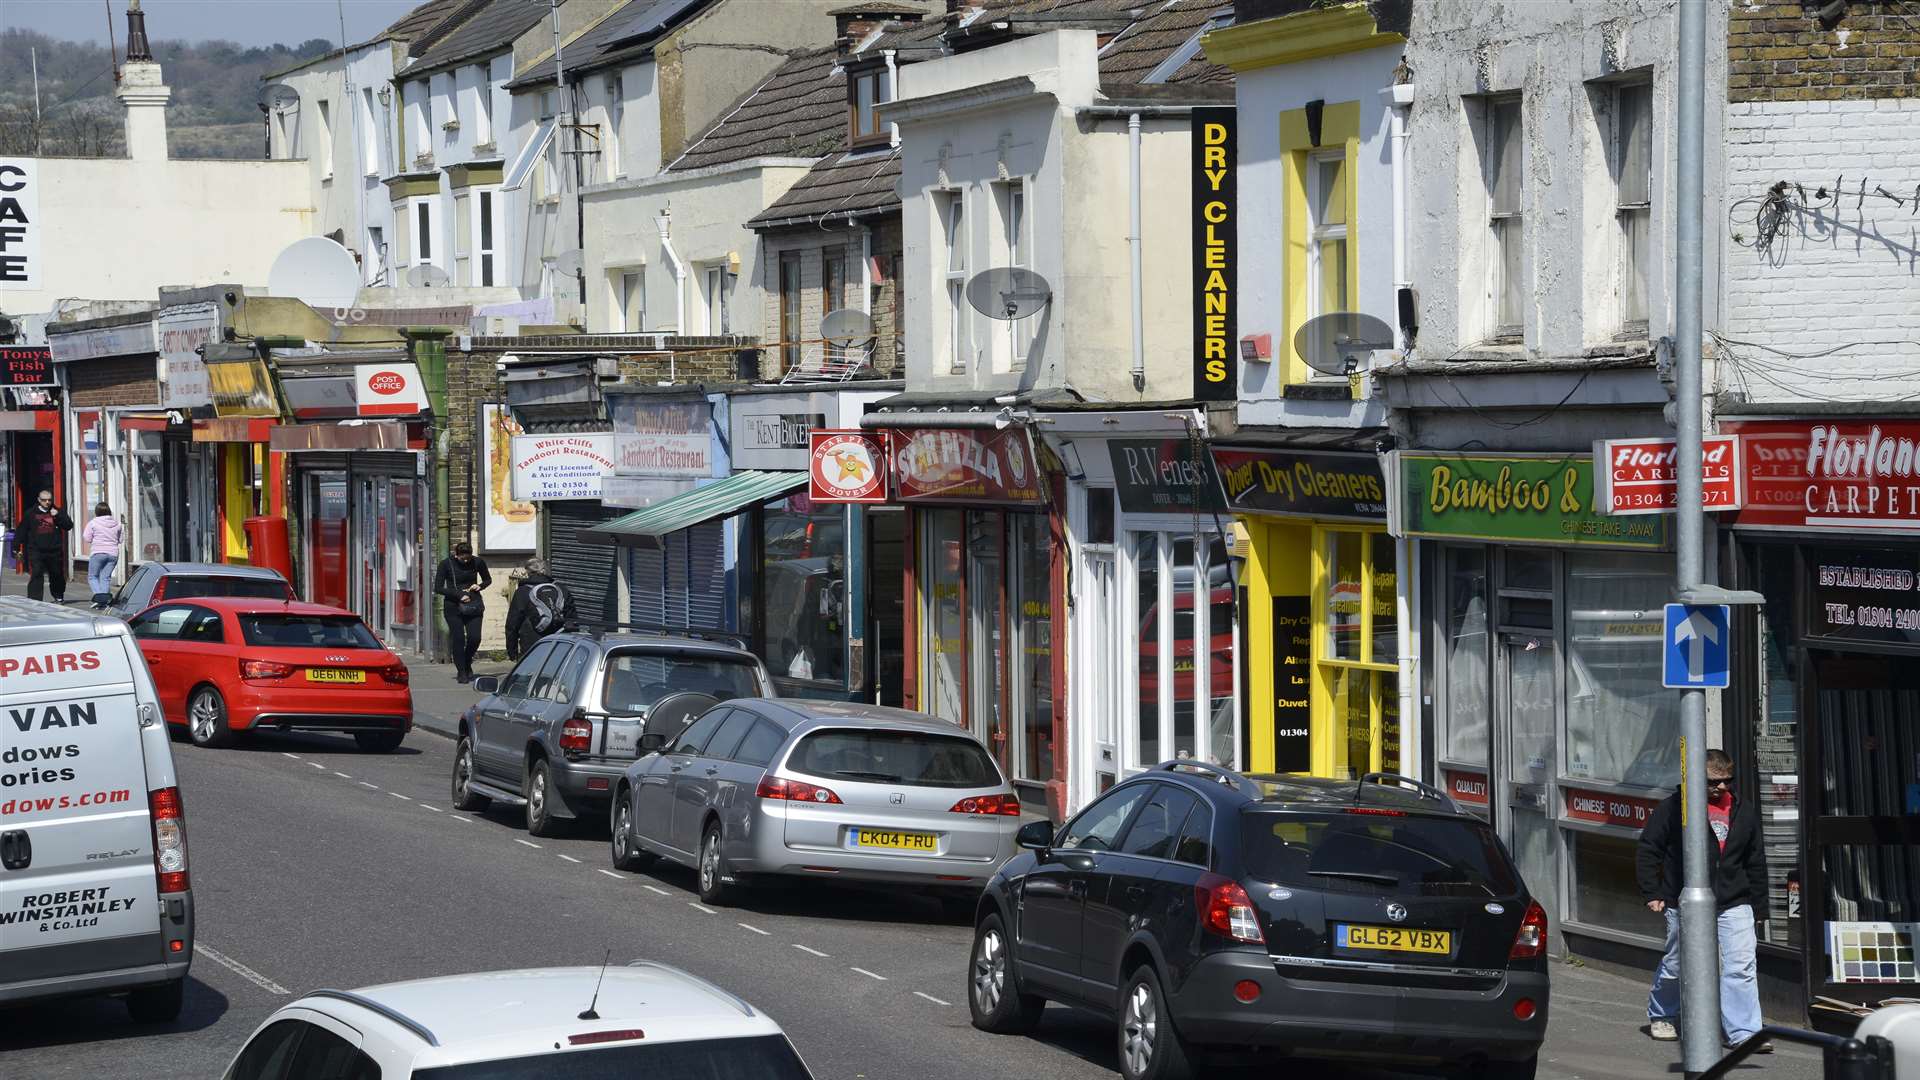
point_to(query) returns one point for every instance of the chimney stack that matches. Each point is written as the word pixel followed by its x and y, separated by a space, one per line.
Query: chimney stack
pixel 142 93
pixel 851 24
pixel 137 47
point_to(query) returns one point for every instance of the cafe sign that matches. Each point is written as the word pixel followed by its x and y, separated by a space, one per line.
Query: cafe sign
pixel 1855 475
pixel 1301 483
pixel 1538 498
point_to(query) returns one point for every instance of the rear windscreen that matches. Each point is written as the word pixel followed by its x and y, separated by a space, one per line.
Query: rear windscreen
pixel 179 587
pixel 308 632
pixel 1378 853
pixel 636 681
pixel 766 1057
pixel 896 757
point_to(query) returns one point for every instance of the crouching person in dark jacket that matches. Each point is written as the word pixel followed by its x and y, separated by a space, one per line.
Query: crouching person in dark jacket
pixel 540 606
pixel 1737 870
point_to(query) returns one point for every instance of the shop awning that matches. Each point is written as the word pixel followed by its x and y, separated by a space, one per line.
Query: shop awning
pixel 723 498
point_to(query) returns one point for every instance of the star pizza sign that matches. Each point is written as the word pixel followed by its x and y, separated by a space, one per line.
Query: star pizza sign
pixel 848 466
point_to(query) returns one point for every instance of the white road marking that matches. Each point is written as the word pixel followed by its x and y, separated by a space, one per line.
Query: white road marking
pixel 317 765
pixel 341 775
pixel 569 858
pixel 610 873
pixel 931 998
pixel 529 843
pixel 697 907
pixel 373 787
pixel 461 818
pixel 657 889
pixel 755 929
pixel 813 952
pixel 430 806
pixel 284 754
pixel 397 795
pixel 240 969
pixel 870 975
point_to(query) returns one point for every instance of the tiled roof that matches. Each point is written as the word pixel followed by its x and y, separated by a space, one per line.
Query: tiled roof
pixel 490 30
pixel 621 31
pixel 1153 31
pixel 418 21
pixel 853 185
pixel 799 111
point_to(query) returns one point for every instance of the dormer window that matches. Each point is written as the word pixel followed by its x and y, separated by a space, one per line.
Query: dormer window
pixel 866 92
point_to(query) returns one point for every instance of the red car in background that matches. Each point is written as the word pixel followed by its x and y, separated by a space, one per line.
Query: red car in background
pixel 235 664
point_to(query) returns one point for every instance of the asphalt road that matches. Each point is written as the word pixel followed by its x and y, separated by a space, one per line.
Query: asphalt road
pixel 315 865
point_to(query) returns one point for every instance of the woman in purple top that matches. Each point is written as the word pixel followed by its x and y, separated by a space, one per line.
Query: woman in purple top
pixel 102 536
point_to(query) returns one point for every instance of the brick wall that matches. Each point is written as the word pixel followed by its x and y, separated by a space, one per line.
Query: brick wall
pixel 1778 51
pixel 125 380
pixel 1823 138
pixel 815 248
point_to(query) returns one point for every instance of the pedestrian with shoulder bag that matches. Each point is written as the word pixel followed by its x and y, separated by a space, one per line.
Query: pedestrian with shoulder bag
pixel 459 582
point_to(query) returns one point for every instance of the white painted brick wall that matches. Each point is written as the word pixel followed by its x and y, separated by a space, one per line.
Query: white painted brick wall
pixel 1850 277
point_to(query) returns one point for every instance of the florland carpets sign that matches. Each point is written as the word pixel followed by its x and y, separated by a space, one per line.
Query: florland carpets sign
pixel 966 465
pixel 548 468
pixel 1641 476
pixel 1539 499
pixel 1863 594
pixel 1855 475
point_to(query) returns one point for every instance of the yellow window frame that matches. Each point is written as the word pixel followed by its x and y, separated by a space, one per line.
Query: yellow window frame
pixel 1330 756
pixel 1339 130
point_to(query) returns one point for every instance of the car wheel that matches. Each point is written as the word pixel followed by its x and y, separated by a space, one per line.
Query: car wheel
pixel 207 719
pixel 1150 1049
pixel 1509 1070
pixel 157 1004
pixel 378 742
pixel 540 819
pixel 627 853
pixel 464 797
pixel 714 888
pixel 993 987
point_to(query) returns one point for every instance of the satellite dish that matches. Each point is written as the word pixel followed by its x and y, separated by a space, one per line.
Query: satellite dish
pixel 316 271
pixel 847 328
pixel 279 97
pixel 1339 343
pixel 426 276
pixel 1008 292
pixel 568 262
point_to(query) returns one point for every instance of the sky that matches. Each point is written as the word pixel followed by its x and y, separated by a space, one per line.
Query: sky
pixel 249 22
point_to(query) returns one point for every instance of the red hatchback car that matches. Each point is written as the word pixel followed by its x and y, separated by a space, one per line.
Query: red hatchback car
pixel 229 664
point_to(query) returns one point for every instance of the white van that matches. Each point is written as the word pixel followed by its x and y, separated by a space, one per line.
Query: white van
pixel 94 894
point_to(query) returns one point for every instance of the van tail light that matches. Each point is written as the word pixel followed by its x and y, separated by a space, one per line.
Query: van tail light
pixel 1531 941
pixel 169 839
pixel 1226 910
pixel 255 670
pixel 159 592
pixel 576 736
pixel 395 674
pixel 1002 805
pixel 781 788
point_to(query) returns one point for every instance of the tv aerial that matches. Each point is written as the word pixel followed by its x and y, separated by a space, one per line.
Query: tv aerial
pixel 1008 293
pixel 426 276
pixel 568 262
pixel 1339 343
pixel 278 97
pixel 847 328
pixel 318 272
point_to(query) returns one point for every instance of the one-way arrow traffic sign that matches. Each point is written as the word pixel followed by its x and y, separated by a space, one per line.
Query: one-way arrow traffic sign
pixel 1696 644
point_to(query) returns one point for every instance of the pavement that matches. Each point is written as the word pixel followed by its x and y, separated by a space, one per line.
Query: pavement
pixel 316 865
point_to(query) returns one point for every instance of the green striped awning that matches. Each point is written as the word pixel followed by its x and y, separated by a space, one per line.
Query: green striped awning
pixel 722 498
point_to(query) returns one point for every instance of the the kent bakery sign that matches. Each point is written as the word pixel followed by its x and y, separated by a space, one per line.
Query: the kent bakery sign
pixel 1854 475
pixel 1215 220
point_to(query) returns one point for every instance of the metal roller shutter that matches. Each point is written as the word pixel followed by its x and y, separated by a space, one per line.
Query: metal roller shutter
pixel 646 571
pixel 707 576
pixel 587 570
pixel 683 583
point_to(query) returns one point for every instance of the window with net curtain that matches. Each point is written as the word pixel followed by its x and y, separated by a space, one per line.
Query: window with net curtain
pixel 1622 726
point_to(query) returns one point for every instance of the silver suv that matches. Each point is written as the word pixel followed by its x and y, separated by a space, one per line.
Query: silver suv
pixel 556 734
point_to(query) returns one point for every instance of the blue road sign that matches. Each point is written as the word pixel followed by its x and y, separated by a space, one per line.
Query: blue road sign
pixel 1695 646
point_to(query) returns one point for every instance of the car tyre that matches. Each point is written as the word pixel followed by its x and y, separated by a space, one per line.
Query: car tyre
pixel 628 855
pixel 157 1004
pixel 1150 1048
pixel 712 870
pixel 540 817
pixel 993 984
pixel 1508 1070
pixel 464 797
pixel 378 742
pixel 207 719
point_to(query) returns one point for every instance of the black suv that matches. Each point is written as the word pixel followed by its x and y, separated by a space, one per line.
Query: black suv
pixel 1211 911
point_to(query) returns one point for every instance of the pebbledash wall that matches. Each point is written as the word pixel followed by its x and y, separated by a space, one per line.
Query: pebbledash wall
pixel 1835 111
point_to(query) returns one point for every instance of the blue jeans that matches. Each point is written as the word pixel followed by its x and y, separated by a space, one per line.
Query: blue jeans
pixel 1739 979
pixel 100 573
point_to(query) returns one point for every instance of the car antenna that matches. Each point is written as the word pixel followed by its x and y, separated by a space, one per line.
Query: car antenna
pixel 589 1014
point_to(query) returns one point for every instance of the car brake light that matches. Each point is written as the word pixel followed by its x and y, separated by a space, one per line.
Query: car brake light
pixel 395 674
pixel 1226 910
pixel 1002 805
pixel 1531 941
pixel 779 787
pixel 159 592
pixel 264 669
pixel 1376 811
pixel 592 1037
pixel 169 839
pixel 576 736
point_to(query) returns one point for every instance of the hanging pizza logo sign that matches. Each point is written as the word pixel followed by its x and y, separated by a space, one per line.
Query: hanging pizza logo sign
pixel 847 466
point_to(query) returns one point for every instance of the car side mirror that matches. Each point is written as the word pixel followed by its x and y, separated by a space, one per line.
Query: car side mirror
pixel 1035 836
pixel 652 742
pixel 486 684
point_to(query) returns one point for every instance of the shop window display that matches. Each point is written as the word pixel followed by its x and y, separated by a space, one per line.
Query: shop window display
pixel 803 590
pixel 1356 659
pixel 1622 725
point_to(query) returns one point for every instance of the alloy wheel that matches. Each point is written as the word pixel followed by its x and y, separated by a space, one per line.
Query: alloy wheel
pixel 462 773
pixel 537 796
pixel 622 831
pixel 710 862
pixel 989 971
pixel 206 714
pixel 1139 1026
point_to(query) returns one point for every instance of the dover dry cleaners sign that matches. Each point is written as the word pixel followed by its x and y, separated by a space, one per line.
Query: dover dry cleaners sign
pixel 548 468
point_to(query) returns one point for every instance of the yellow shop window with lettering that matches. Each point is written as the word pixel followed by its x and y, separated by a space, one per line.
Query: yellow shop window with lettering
pixel 1355 653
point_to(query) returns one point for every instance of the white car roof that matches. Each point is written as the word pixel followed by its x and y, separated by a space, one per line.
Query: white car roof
pixel 503 1014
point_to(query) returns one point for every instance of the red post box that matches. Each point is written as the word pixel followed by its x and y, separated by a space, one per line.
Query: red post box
pixel 268 544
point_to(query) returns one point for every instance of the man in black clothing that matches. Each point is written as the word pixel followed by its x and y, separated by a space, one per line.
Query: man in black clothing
pixel 44 535
pixel 540 606
pixel 459 582
pixel 1737 870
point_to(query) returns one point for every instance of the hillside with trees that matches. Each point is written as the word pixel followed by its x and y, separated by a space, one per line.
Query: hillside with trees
pixel 212 115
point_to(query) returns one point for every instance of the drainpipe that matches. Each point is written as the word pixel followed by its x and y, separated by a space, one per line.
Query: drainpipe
pixel 665 220
pixel 1402 102
pixel 1133 244
pixel 893 94
pixel 429 350
pixel 866 269
pixel 1407 613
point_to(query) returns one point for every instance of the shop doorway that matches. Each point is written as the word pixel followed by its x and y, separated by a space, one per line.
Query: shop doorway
pixel 364 538
pixel 886 606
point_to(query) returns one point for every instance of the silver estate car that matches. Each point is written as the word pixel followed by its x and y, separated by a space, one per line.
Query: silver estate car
pixel 766 787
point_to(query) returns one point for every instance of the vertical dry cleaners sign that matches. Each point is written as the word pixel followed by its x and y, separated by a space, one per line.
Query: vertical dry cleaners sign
pixel 1215 213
